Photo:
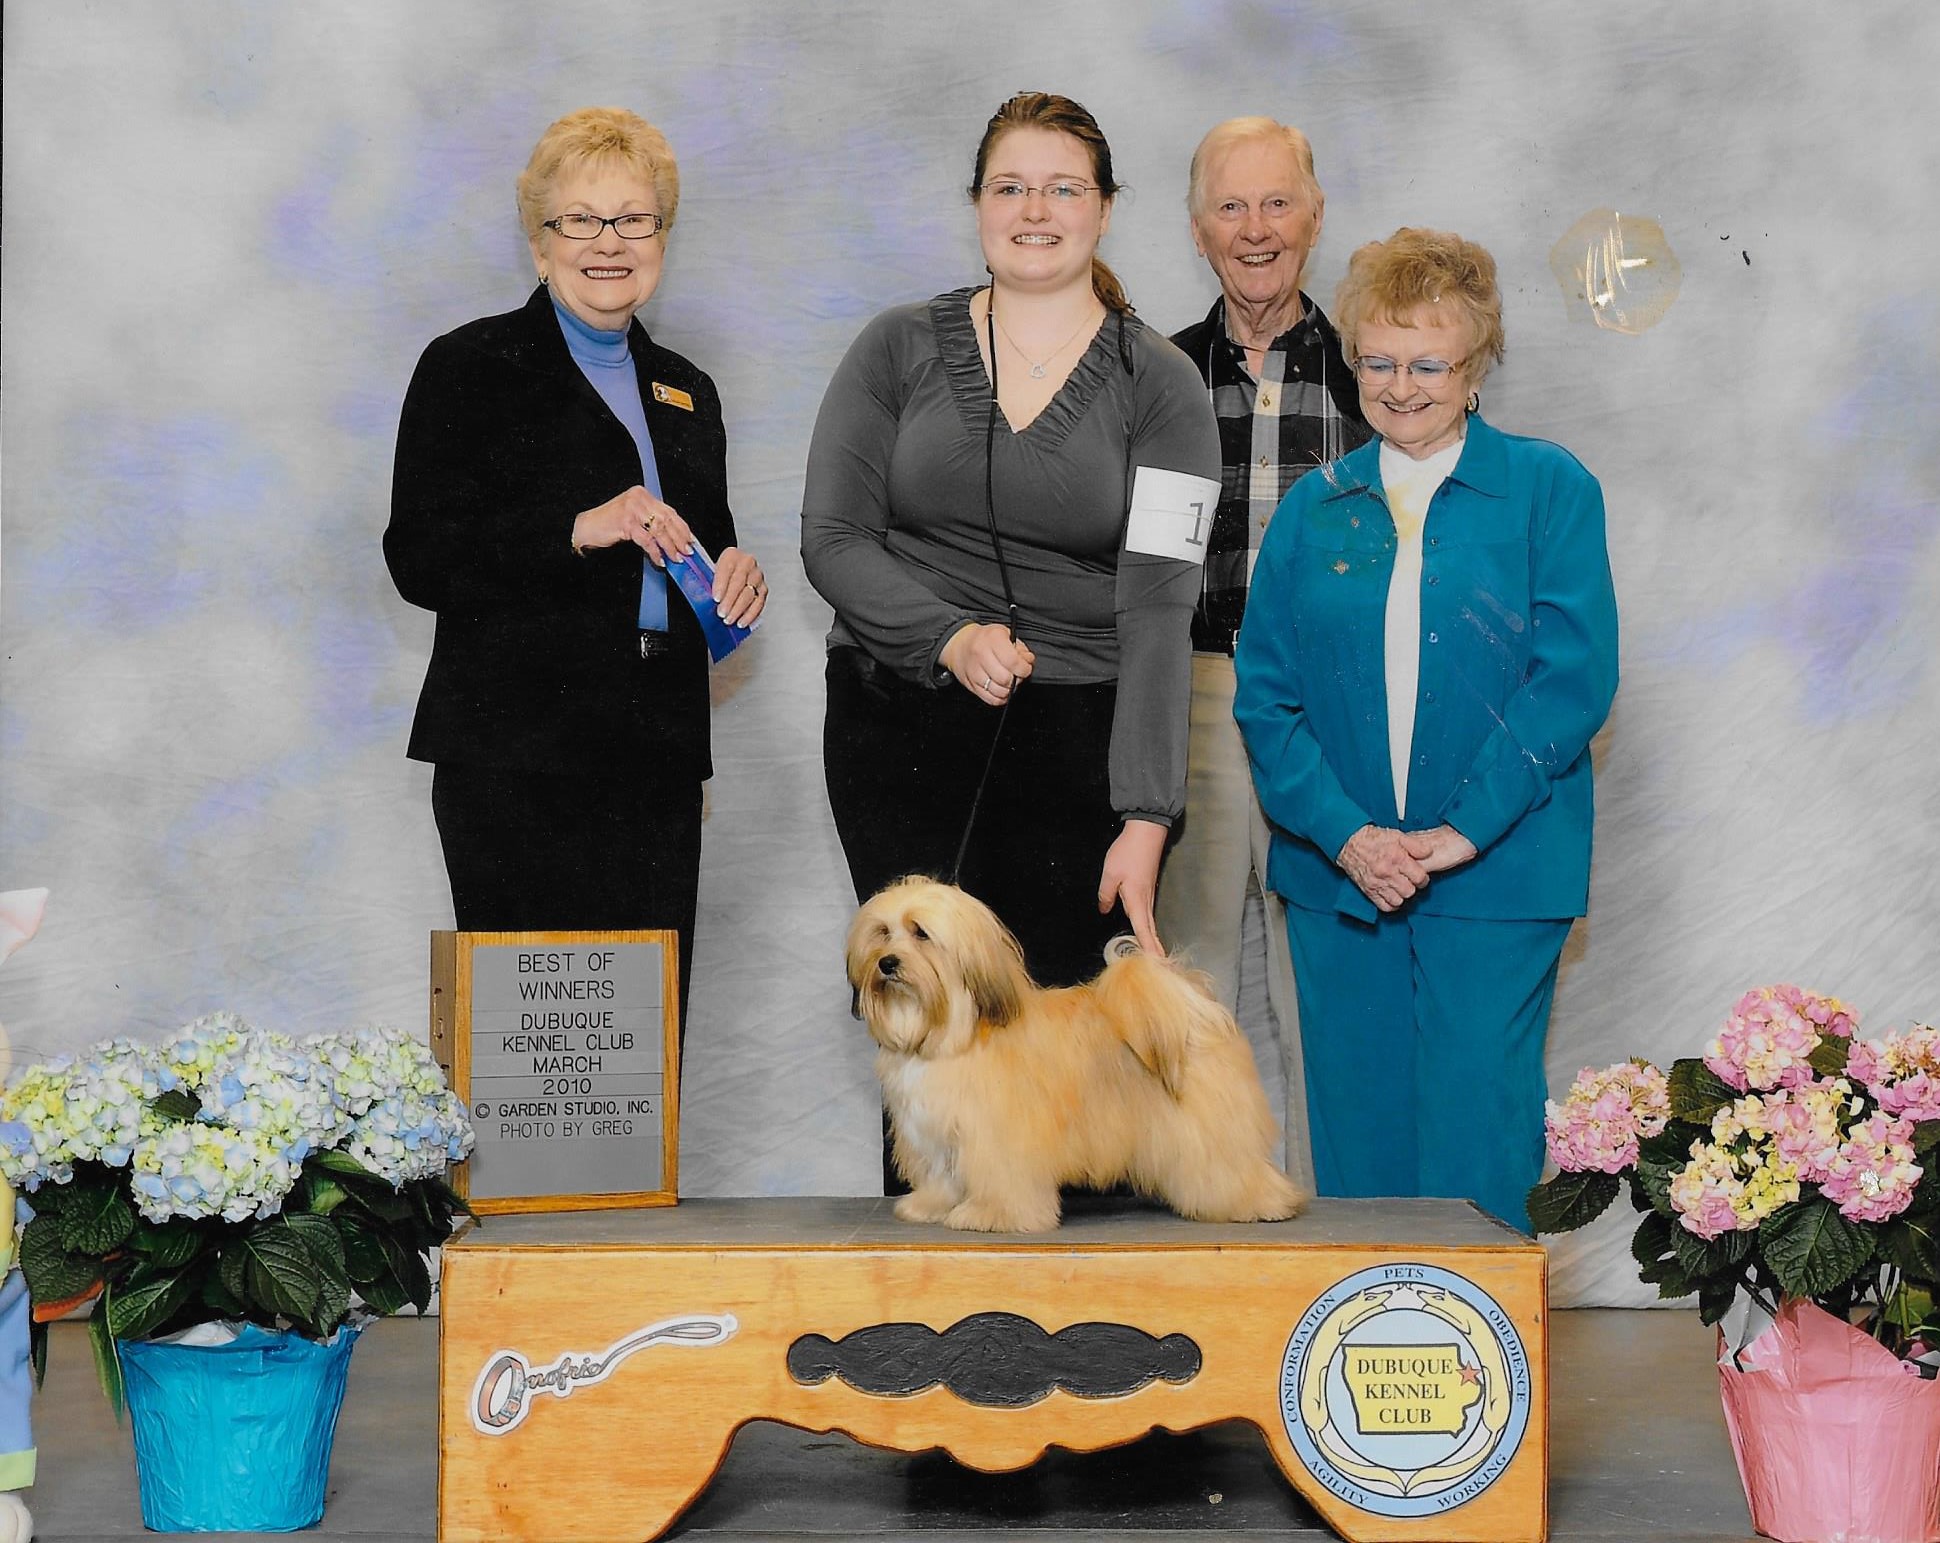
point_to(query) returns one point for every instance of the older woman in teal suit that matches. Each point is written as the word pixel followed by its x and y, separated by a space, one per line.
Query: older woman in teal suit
pixel 1430 645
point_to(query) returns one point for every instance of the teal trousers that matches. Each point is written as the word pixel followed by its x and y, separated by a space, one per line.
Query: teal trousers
pixel 1424 1038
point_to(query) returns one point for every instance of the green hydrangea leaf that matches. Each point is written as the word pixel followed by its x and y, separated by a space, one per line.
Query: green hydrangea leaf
pixel 383 1205
pixel 453 1204
pixel 176 1104
pixel 346 1166
pixel 1829 1056
pixel 1654 1181
pixel 232 1269
pixel 1811 1248
pixel 281 1274
pixel 384 1293
pixel 364 1258
pixel 416 1276
pixel 1704 1258
pixel 333 1306
pixel 136 1310
pixel 217 1295
pixel 1714 1301
pixel 167 1244
pixel 321 1237
pixel 107 1360
pixel 50 1200
pixel 1652 1239
pixel 1668 1276
pixel 97 1219
pixel 1912 1243
pixel 320 1195
pixel 54 1272
pixel 1570 1200
pixel 1697 1092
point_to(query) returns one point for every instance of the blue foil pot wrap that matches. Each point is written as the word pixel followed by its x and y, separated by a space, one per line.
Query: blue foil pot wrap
pixel 236 1437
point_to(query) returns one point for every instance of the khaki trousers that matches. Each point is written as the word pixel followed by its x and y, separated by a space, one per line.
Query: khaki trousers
pixel 1210 875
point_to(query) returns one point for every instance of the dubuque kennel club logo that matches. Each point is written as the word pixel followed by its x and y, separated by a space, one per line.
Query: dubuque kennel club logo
pixel 1405 1390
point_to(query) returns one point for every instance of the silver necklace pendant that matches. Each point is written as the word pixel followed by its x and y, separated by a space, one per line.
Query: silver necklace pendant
pixel 1037 372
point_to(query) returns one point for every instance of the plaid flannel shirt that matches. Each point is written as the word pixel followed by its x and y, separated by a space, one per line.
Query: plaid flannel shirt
pixel 1301 412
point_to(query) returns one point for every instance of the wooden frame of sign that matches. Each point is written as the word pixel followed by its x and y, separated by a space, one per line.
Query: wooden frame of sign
pixel 565 1047
pixel 1393 1354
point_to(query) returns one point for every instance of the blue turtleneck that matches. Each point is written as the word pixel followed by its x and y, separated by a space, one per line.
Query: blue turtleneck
pixel 607 363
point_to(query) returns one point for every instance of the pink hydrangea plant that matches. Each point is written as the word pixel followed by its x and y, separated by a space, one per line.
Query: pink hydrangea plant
pixel 1771 1033
pixel 1901 1072
pixel 1873 1172
pixel 1596 1127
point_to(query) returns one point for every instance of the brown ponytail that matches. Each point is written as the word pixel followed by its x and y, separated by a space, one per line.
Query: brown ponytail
pixel 1105 285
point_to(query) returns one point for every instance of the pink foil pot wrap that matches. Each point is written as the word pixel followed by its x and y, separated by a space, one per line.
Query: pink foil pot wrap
pixel 1835 1442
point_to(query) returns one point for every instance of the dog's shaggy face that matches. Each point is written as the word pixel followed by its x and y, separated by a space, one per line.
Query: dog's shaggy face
pixel 929 964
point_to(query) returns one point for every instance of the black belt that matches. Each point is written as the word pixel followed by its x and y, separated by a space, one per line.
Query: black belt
pixel 656 645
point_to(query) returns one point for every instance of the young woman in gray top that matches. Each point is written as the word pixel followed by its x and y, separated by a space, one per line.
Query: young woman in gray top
pixel 908 472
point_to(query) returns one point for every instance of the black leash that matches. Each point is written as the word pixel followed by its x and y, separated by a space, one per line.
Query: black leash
pixel 1003 574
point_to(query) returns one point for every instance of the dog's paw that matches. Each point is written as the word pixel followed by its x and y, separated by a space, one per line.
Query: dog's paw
pixel 925 1207
pixel 1280 1208
pixel 1273 1197
pixel 982 1215
pixel 1267 1195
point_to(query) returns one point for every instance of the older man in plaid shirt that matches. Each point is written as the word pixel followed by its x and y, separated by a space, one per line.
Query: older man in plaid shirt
pixel 1286 405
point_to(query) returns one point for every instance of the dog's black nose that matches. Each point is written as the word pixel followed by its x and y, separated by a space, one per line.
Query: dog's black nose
pixel 889 964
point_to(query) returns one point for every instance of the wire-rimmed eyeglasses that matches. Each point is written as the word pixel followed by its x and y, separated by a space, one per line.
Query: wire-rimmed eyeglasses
pixel 1378 370
pixel 1064 190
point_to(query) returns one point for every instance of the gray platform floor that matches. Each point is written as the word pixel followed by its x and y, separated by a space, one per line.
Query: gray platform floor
pixel 1638 1452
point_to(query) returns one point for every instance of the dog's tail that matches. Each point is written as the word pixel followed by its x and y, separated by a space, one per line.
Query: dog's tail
pixel 1163 1012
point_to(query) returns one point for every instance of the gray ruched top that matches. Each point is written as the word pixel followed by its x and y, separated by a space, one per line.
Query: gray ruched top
pixel 894 534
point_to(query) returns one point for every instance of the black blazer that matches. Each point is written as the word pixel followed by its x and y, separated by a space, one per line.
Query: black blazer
pixel 536 662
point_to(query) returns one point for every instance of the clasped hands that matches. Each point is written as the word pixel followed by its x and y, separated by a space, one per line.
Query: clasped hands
pixel 1391 867
pixel 740 590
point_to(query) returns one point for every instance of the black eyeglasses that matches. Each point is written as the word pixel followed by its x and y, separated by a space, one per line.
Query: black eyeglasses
pixel 584 227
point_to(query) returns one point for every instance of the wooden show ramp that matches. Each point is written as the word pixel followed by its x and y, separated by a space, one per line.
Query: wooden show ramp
pixel 594 1367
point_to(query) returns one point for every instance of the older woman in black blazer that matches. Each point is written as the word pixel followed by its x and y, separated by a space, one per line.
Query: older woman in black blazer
pixel 550 462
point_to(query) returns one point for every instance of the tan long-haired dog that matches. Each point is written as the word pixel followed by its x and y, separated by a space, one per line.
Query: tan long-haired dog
pixel 999 1091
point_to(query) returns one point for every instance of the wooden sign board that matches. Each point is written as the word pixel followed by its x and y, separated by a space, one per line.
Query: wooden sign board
pixel 565 1047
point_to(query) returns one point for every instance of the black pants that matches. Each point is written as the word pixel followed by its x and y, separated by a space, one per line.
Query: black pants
pixel 542 852
pixel 903 764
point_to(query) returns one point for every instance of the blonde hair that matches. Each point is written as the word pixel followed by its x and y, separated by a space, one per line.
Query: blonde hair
pixel 598 136
pixel 1222 137
pixel 1389 283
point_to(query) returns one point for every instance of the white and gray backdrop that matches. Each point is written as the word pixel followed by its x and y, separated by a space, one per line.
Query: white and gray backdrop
pixel 229 228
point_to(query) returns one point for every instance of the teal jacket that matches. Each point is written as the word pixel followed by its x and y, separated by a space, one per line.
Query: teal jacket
pixel 1518 669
